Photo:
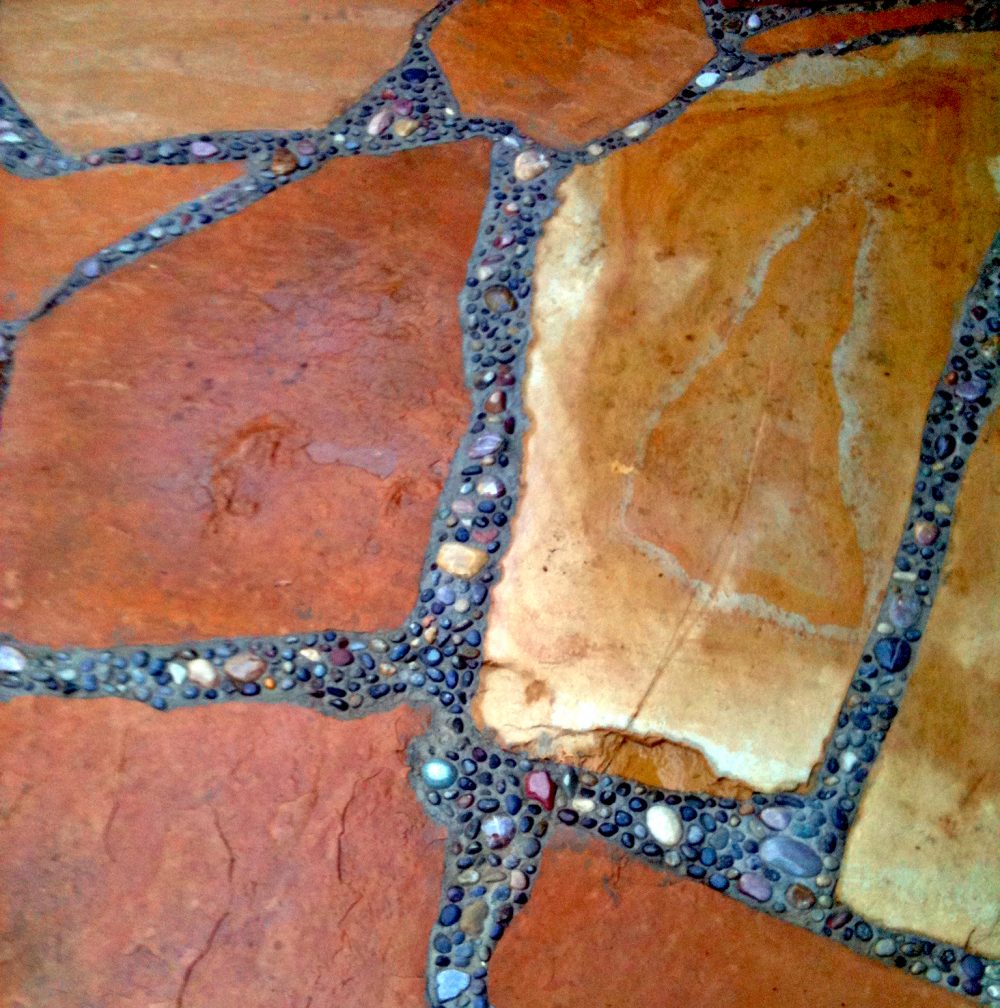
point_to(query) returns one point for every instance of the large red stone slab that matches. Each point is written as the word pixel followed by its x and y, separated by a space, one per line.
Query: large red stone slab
pixel 246 431
pixel 228 858
pixel 48 225
pixel 124 70
pixel 568 72
pixel 603 931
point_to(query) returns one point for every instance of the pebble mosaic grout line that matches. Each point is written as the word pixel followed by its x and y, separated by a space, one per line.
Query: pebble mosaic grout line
pixel 497 805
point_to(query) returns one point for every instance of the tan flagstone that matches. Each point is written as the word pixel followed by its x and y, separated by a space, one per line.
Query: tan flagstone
pixel 727 384
pixel 924 853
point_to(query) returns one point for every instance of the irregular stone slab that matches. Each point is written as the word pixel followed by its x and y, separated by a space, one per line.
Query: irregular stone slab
pixel 728 379
pixel 211 857
pixel 574 946
pixel 823 30
pixel 119 72
pixel 49 225
pixel 923 853
pixel 568 72
pixel 246 431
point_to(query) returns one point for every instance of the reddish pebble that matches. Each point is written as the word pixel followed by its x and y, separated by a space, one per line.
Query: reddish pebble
pixel 341 657
pixel 538 785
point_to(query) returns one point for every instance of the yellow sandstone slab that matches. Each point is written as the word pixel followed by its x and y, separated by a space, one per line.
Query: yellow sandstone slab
pixel 924 853
pixel 116 71
pixel 737 328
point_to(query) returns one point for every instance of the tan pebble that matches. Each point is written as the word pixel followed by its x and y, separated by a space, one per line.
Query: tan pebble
pixel 386 669
pixel 404 127
pixel 469 877
pixel 518 880
pixel 461 560
pixel 245 667
pixel 474 917
pixel 284 162
pixel 203 673
pixel 430 634
pixel 489 875
pixel 529 165
pixel 310 654
pixel 583 805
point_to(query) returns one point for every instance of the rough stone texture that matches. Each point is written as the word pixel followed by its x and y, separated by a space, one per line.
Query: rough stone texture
pixel 51 224
pixel 246 431
pixel 567 72
pixel 828 29
pixel 226 857
pixel 923 854
pixel 700 949
pixel 118 71
pixel 727 410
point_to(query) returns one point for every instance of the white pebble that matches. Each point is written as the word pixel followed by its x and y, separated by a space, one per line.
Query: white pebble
pixel 664 825
pixel 707 79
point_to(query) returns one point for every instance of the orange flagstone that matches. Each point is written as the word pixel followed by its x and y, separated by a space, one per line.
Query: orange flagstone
pixel 727 383
pixel 824 30
pixel 923 853
pixel 120 71
pixel 49 225
pixel 247 430
pixel 603 930
pixel 568 72
pixel 228 857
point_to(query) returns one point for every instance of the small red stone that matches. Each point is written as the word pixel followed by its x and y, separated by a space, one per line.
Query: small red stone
pixel 538 785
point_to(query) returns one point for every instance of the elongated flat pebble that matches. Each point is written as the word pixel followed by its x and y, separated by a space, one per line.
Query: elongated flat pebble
pixel 707 79
pixel 203 148
pixel 636 129
pixel 790 856
pixel 664 825
pixel 379 122
pixel 462 561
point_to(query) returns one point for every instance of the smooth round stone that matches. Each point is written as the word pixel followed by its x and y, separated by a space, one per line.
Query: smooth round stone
pixel 499 830
pixel 499 300
pixel 755 886
pixel 885 947
pixel 12 660
pixel 973 967
pixel 529 165
pixel 245 668
pixel 177 672
pixel 904 611
pixel 405 127
pixel 518 880
pixel 438 773
pixel 485 444
pixel 284 162
pixel 925 533
pixel 203 673
pixel 776 818
pixel 971 389
pixel 707 79
pixel 800 897
pixel 790 856
pixel 636 129
pixel 91 269
pixel 892 653
pixel 490 487
pixel 202 148
pixel 664 825
pixel 450 983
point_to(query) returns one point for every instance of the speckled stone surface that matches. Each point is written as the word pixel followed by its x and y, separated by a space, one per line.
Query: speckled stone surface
pixel 725 409
pixel 248 429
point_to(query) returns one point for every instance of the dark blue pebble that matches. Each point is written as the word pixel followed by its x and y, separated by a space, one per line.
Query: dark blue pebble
pixel 449 915
pixel 892 653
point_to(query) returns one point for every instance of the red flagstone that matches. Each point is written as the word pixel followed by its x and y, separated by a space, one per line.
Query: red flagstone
pixel 567 72
pixel 605 931
pixel 234 857
pixel 247 430
pixel 49 225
